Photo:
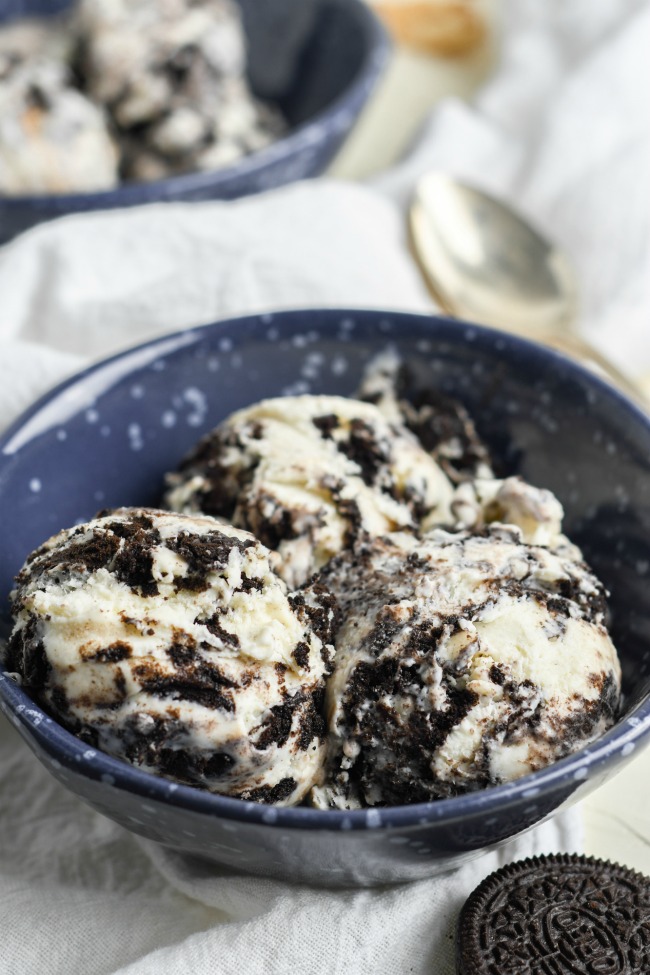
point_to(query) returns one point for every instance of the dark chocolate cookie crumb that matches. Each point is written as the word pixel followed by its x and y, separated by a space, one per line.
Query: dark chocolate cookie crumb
pixel 562 915
pixel 204 554
pixel 326 424
pixel 271 794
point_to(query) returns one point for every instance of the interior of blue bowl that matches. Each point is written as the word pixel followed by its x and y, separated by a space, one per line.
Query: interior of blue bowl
pixel 106 439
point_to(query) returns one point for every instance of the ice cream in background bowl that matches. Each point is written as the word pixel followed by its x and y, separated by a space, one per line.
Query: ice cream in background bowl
pixel 542 418
pixel 209 100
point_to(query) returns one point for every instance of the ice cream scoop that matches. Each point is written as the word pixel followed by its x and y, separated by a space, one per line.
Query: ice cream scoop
pixel 308 474
pixel 166 640
pixel 441 423
pixel 463 660
pixel 512 501
pixel 52 138
pixel 173 77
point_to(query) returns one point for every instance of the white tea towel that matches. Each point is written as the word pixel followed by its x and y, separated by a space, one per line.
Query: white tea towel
pixel 560 131
pixel 81 896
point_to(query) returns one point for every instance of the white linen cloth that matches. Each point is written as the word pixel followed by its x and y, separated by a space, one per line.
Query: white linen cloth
pixel 560 131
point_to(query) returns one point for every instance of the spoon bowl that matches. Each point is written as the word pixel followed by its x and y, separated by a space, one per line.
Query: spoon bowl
pixel 485 263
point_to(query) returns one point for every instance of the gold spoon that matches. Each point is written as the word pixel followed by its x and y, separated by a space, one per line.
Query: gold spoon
pixel 485 263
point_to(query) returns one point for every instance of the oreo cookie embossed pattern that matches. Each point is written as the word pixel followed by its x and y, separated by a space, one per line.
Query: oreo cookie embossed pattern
pixel 557 915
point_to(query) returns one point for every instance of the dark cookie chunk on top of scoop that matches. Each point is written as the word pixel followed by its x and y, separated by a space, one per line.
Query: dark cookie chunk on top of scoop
pixel 552 915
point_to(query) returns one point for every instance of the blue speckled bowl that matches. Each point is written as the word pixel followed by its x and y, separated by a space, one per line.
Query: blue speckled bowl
pixel 318 59
pixel 106 438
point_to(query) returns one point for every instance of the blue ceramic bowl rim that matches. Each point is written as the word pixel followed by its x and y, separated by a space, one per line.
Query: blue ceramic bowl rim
pixel 162 190
pixel 68 751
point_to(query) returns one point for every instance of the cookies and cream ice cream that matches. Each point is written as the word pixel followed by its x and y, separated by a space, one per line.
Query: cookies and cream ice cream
pixel 167 640
pixel 126 89
pixel 441 423
pixel 442 635
pixel 172 75
pixel 53 139
pixel 463 660
pixel 512 501
pixel 308 474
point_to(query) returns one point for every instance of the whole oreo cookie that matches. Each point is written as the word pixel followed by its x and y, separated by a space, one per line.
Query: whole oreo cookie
pixel 557 915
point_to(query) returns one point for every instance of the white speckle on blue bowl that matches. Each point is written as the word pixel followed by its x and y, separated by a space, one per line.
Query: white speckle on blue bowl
pixel 168 419
pixel 273 334
pixel 137 391
pixel 105 430
pixel 134 431
pixel 299 388
pixel 225 344
pixel 35 485
pixel 266 319
pixel 530 793
pixel 339 365
pixel 581 773
pixel 89 754
pixel 159 365
pixel 628 749
pixel 213 364
pixel 373 819
pixel 99 496
pixel 346 824
pixel 199 406
pixel 299 341
pixel 61 435
pixel 269 816
pixel 92 416
pixel 107 779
